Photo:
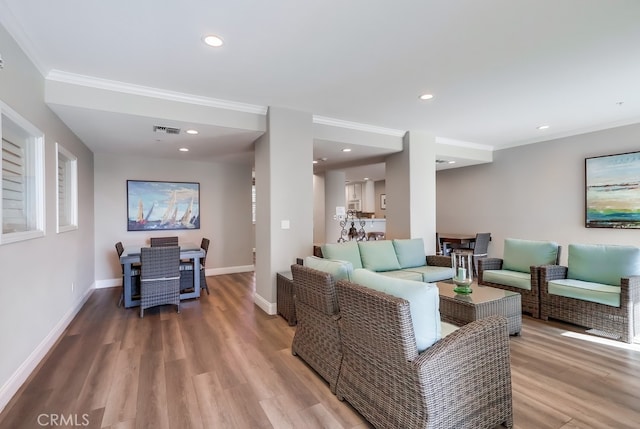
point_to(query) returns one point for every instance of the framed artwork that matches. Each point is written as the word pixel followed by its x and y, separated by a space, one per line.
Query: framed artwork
pixel 153 205
pixel 383 201
pixel 612 187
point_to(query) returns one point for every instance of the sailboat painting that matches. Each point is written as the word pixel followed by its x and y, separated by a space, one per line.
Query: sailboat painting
pixel 155 205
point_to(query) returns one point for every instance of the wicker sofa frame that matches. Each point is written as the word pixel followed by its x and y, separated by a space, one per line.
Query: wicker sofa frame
pixel 317 338
pixel 463 381
pixel 530 299
pixel 622 322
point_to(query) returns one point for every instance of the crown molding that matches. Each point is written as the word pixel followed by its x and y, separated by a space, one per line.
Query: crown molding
pixel 323 120
pixel 10 23
pixel 461 143
pixel 146 91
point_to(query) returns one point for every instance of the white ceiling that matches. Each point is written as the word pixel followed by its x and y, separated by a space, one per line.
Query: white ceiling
pixel 497 68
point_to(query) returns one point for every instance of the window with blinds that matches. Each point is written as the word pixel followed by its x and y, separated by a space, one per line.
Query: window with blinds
pixel 22 195
pixel 67 189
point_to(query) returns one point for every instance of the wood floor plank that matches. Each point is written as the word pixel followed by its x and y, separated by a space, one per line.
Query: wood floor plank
pixel 224 363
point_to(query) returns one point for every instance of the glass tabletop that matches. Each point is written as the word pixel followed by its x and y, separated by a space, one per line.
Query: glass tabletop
pixel 479 294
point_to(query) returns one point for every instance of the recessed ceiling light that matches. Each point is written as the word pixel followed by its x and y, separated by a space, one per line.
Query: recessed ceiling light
pixel 213 40
pixel 184 149
pixel 366 178
pixel 192 132
pixel 346 149
pixel 451 162
pixel 315 161
pixel 426 97
pixel 543 127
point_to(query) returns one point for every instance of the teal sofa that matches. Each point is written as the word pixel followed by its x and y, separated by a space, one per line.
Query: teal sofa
pixel 518 271
pixel 598 289
pixel 402 259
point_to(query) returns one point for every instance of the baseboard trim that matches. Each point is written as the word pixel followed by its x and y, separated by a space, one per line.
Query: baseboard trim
pixel 17 379
pixel 229 270
pixel 266 306
pixel 106 283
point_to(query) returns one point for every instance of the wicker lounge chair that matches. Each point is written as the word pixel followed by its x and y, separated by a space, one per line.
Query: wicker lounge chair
pixel 530 298
pixel 463 381
pixel 621 322
pixel 160 277
pixel 317 337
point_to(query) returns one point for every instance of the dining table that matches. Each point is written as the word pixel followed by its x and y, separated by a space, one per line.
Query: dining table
pixel 131 255
pixel 461 239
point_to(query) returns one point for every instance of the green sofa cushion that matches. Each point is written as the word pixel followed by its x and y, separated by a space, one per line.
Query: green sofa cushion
pixel 423 298
pixel 432 274
pixel 603 263
pixel 402 274
pixel 410 252
pixel 508 278
pixel 347 251
pixel 520 255
pixel 340 270
pixel 586 291
pixel 378 255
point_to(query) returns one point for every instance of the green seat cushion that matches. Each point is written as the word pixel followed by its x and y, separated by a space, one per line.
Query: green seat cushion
pixel 508 278
pixel 603 263
pixel 432 273
pixel 586 291
pixel 347 251
pixel 378 255
pixel 340 270
pixel 410 252
pixel 423 298
pixel 520 255
pixel 403 274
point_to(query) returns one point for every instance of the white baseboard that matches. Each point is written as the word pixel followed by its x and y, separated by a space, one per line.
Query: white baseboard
pixel 229 270
pixel 23 372
pixel 266 306
pixel 105 283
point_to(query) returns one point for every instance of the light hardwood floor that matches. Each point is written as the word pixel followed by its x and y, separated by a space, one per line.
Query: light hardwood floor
pixel 223 363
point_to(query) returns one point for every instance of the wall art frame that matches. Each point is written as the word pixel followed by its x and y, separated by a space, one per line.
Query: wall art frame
pixel 612 191
pixel 156 205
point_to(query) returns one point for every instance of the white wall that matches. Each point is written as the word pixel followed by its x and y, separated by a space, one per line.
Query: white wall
pixel 225 207
pixel 36 275
pixel 532 192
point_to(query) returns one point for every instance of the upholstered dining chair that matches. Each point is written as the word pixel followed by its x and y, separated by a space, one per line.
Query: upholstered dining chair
pixel 135 275
pixel 479 250
pixel 164 241
pixel 204 244
pixel 160 277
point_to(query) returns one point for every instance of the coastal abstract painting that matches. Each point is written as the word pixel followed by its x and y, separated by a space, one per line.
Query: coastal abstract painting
pixel 613 191
pixel 155 205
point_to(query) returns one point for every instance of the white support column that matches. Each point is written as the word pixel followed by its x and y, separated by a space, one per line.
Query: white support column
pixel 284 199
pixel 411 190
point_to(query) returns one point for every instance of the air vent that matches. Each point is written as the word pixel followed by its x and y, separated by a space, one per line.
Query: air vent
pixel 165 130
pixel 441 161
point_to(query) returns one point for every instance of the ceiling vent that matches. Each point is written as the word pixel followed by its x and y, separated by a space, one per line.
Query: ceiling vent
pixel 165 130
pixel 441 161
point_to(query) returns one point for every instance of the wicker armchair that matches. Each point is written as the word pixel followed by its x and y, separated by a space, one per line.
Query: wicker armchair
pixel 317 337
pixel 621 322
pixel 530 298
pixel 462 381
pixel 160 277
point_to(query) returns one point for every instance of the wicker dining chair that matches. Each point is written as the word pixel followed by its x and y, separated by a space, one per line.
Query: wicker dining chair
pixel 135 275
pixel 164 241
pixel 160 277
